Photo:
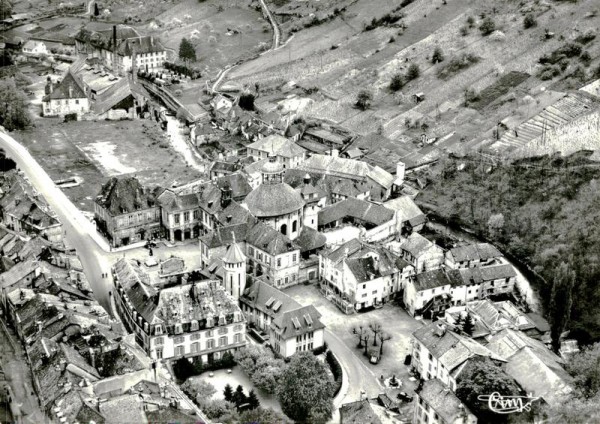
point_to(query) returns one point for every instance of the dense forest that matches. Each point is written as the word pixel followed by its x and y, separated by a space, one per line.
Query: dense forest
pixel 543 211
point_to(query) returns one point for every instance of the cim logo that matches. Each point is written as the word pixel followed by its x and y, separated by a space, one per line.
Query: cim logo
pixel 508 404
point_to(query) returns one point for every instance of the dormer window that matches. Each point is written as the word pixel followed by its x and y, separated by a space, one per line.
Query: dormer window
pixel 158 329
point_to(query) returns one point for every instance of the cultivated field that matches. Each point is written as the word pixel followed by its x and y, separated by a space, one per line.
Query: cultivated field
pixel 339 58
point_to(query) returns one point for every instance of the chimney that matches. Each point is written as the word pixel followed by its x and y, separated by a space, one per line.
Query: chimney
pixel 114 58
pixel 92 358
pixel 70 91
pixel 440 330
pixel 133 65
pixel 225 196
pixel 307 179
pixel 152 41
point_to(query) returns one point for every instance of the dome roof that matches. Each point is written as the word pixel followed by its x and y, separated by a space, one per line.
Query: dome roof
pixel 272 167
pixel 268 200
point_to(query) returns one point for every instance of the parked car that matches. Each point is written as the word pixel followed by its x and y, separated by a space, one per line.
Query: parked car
pixel 404 397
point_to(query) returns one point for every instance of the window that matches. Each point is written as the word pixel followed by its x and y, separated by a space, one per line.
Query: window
pixel 294 258
pixel 76 101
pixel 237 338
pixel 196 214
pixel 195 347
pixel 159 353
pixel 179 340
pixel 374 292
pixel 238 327
pixel 210 344
pixel 195 336
pixel 158 329
pixel 222 341
pixel 209 333
pixel 278 262
pixel 176 216
pixel 250 251
pixel 223 330
pixel 186 216
pixel 159 341
pixel 179 351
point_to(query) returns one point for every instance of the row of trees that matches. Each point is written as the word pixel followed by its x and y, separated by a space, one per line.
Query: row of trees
pixel 14 114
pixel 374 332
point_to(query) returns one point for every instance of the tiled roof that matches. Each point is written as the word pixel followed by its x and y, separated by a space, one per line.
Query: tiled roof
pixel 347 168
pixel 443 401
pixel 431 279
pixel 359 412
pixel 61 90
pixel 268 299
pixel 359 209
pixel 310 239
pixel 267 239
pixel 234 254
pixel 269 200
pixel 409 211
pixel 339 252
pixel 363 269
pixel 278 145
pixel 238 184
pixel 222 236
pixel 233 214
pixel 478 275
pixel 477 251
pixel 450 348
pixel 124 409
pixel 298 321
pixel 116 93
pixel 416 244
pixel 529 357
pixel 125 195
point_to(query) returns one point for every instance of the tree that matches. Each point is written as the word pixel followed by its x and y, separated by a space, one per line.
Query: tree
pixel 199 389
pixel 96 10
pixel 228 392
pixel 5 8
pixel 413 72
pixel 483 376
pixel 187 52
pixel 376 329
pixel 363 100
pixel 437 56
pixel 263 416
pixel 267 377
pixel 487 26
pixel 397 82
pixel 306 390
pixel 471 21
pixel 383 337
pixel 14 114
pixel 246 101
pixel 561 300
pixel 253 400
pixel 468 325
pixel 529 21
pixel 239 397
pixel 585 369
pixel 460 322
pixel 359 332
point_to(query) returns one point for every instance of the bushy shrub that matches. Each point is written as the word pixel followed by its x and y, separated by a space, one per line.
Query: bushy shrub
pixel 529 21
pixel 487 26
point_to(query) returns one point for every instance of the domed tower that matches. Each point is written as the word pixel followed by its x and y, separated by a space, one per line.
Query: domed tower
pixel 234 270
pixel 275 202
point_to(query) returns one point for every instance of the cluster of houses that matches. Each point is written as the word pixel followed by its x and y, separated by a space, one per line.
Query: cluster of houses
pixel 84 365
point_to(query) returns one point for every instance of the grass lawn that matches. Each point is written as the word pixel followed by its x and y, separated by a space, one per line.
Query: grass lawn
pixel 95 151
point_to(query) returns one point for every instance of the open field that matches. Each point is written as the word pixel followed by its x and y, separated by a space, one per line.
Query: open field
pixel 95 151
pixel 222 32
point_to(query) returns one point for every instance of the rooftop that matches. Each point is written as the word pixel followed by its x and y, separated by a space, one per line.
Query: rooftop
pixel 298 321
pixel 269 200
pixel 122 195
pixel 359 412
pixel 443 401
pixel 278 145
pixel 472 252
pixel 362 210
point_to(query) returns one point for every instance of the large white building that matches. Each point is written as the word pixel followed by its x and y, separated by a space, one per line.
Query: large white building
pixel 185 320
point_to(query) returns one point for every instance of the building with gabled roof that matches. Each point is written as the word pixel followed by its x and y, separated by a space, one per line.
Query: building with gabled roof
pixel 422 253
pixel 297 330
pixel 438 352
pixel 413 218
pixel 127 212
pixel 196 319
pixel 288 153
pixel 472 255
pixel 527 357
pixel 381 180
pixel 359 412
pixel 436 403
pixel 66 97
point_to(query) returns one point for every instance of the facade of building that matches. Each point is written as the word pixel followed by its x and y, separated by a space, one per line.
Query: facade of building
pixel 436 404
pixel 269 310
pixel 126 212
pixel 197 319
pixel 438 352
pixel 288 153
pixel 35 48
pixel 65 98
pixel 120 47
pixel 422 253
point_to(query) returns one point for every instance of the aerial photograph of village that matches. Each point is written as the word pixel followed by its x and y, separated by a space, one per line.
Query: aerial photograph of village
pixel 299 211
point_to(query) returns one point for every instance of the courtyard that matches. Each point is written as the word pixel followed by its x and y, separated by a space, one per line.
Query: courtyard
pixel 394 321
